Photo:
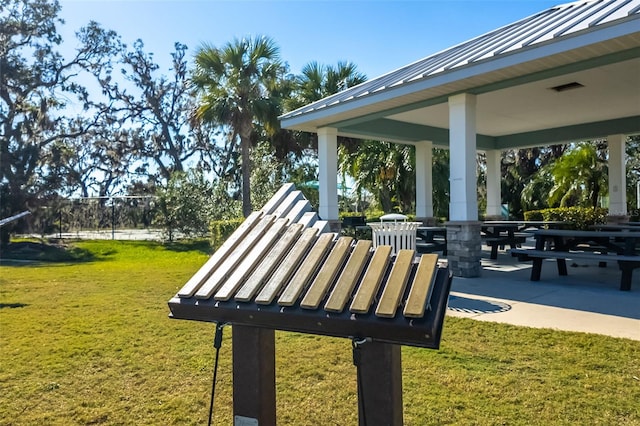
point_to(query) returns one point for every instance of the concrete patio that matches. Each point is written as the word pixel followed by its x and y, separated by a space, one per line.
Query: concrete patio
pixel 587 300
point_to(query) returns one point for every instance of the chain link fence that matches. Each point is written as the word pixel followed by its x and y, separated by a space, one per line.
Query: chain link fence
pixel 125 217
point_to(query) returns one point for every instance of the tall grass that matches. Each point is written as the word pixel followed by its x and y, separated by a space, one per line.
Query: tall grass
pixel 91 343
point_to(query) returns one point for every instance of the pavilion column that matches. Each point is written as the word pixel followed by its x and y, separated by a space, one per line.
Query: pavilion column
pixel 424 182
pixel 617 177
pixel 494 196
pixel 463 229
pixel 328 175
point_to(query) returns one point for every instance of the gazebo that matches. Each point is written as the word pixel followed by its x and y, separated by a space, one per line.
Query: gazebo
pixel 568 73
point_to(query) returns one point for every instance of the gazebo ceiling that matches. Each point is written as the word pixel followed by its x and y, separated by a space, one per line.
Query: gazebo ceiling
pixel 591 49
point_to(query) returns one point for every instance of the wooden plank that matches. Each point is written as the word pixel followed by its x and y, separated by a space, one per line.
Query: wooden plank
pixel 298 210
pixel 395 284
pixel 268 264
pixel 288 203
pixel 222 272
pixel 200 277
pixel 422 286
pixel 371 281
pixel 278 198
pixel 327 274
pixel 287 267
pixel 307 269
pixel 250 261
pixel 322 226
pixel 309 219
pixel 349 277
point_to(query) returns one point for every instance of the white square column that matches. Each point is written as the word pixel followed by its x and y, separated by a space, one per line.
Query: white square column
pixel 424 180
pixel 462 148
pixel 464 246
pixel 494 191
pixel 328 173
pixel 617 176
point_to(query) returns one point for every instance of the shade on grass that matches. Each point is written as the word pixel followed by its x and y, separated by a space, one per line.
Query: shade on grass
pixel 91 343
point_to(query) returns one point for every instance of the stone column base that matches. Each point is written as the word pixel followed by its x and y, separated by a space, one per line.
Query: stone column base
pixel 617 219
pixel 335 226
pixel 464 248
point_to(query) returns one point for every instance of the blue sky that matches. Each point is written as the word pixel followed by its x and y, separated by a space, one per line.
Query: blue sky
pixel 378 36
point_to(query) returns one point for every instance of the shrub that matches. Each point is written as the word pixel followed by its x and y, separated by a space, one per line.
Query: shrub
pixel 576 217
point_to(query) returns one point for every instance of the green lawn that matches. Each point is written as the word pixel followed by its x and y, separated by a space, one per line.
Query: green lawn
pixel 90 343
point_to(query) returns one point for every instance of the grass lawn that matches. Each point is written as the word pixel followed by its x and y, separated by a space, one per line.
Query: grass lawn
pixel 89 342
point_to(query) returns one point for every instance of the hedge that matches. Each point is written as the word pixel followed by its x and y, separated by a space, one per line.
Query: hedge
pixel 576 217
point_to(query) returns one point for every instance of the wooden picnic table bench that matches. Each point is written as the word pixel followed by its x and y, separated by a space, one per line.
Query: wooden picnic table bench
pixel 603 246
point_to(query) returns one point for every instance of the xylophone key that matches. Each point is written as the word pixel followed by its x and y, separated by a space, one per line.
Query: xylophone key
pixel 396 284
pixel 286 268
pixel 307 269
pixel 327 274
pixel 421 287
pixel 350 274
pixel 239 252
pixel 371 281
pixel 268 264
pixel 219 256
pixel 250 261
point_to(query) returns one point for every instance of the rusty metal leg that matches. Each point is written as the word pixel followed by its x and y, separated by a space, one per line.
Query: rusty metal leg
pixel 380 392
pixel 254 375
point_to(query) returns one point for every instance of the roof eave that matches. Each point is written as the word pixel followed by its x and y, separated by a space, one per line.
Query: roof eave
pixel 372 102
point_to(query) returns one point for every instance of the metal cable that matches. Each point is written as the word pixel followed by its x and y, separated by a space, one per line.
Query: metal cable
pixel 355 344
pixel 217 343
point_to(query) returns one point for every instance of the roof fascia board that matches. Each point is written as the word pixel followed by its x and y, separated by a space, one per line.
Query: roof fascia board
pixel 504 84
pixel 399 132
pixel 534 52
pixel 386 129
pixel 558 135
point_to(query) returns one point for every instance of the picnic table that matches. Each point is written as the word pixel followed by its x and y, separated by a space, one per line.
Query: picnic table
pixel 431 238
pixel 500 233
pixel 616 227
pixel 603 246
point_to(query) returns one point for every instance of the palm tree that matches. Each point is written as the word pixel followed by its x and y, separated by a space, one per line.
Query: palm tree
pixel 391 180
pixel 237 87
pixel 316 82
pixel 577 178
pixel 580 176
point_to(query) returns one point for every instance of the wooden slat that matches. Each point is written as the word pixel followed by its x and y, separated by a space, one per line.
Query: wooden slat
pixel 287 204
pixel 309 266
pixel 322 226
pixel 287 267
pixel 268 264
pixel 218 256
pixel 371 280
pixel 327 274
pixel 349 277
pixel 221 273
pixel 395 284
pixel 250 261
pixel 298 210
pixel 422 286
pixel 278 198
pixel 309 219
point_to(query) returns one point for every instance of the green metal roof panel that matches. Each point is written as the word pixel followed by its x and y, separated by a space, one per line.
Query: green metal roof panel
pixel 549 26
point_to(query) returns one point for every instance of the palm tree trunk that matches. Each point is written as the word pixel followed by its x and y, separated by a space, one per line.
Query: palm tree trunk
pixel 245 147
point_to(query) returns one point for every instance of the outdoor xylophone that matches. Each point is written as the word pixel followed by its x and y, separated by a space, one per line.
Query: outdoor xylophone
pixel 282 270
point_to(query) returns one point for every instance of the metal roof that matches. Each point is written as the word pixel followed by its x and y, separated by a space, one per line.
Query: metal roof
pixel 555 31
